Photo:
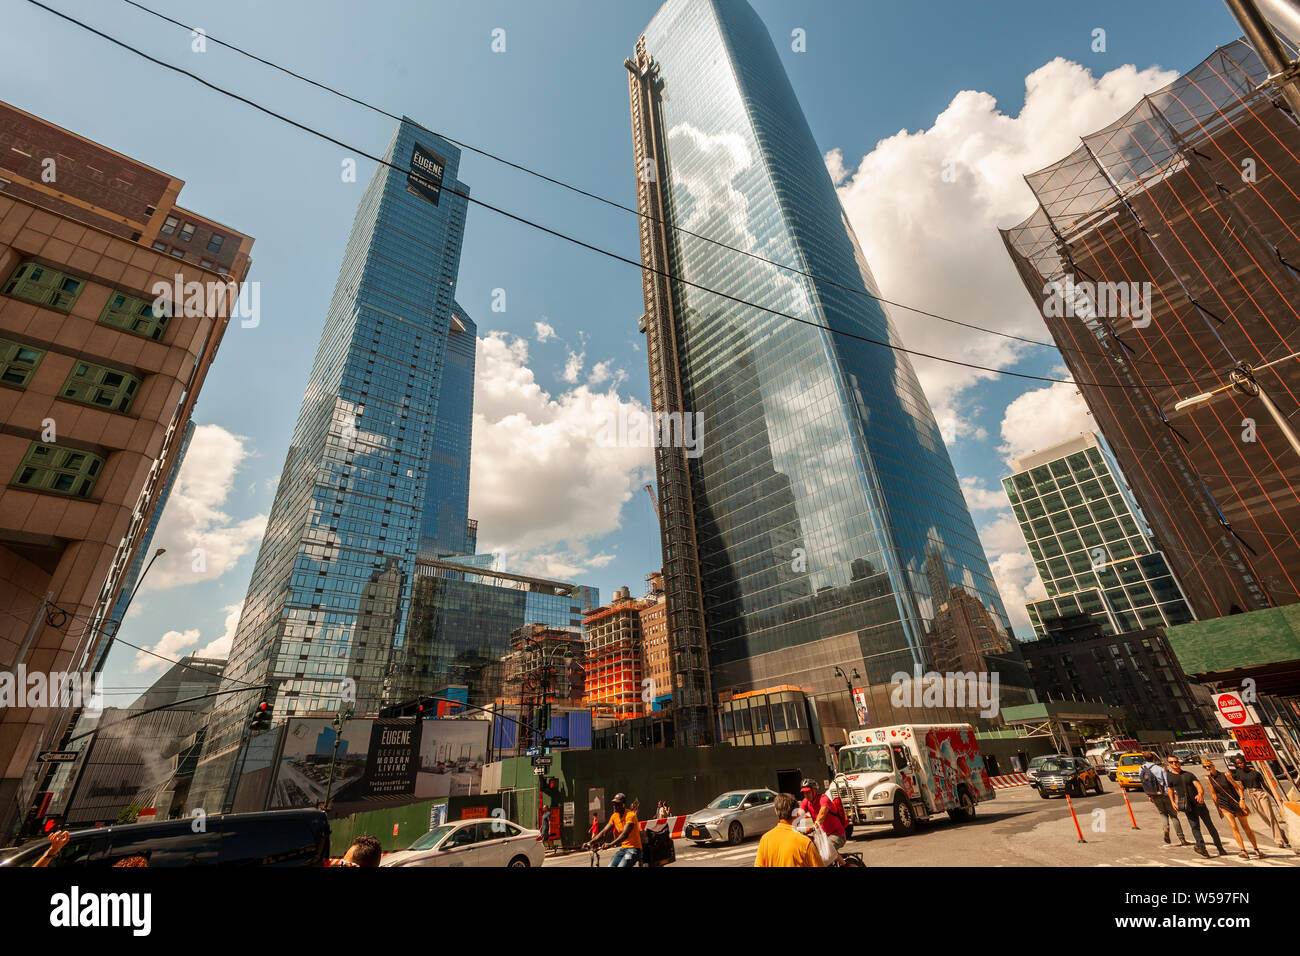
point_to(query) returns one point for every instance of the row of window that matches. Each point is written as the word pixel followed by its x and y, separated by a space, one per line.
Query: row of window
pixel 178 253
pixel 54 468
pixel 87 383
pixel 172 226
pixel 53 289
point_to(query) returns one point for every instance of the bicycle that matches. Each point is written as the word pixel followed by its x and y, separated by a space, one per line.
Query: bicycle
pixel 851 860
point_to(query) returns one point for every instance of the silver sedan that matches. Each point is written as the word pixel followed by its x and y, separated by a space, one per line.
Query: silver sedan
pixel 732 816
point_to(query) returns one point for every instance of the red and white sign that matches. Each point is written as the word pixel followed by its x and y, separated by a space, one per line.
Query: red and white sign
pixel 1253 743
pixel 1232 712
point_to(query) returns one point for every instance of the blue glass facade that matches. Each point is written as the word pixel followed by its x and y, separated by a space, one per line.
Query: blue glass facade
pixel 824 483
pixel 331 589
pixel 446 497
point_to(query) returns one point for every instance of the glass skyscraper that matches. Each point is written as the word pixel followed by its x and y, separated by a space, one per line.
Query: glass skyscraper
pixel 446 528
pixel 366 472
pixel 1090 543
pixel 824 484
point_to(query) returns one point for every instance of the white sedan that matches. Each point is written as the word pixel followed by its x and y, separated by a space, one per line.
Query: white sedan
pixel 472 843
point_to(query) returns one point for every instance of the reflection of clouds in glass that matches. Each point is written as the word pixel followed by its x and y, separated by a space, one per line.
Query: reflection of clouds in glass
pixel 705 170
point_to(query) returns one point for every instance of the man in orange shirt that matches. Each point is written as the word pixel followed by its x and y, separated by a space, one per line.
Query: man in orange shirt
pixel 784 845
pixel 625 824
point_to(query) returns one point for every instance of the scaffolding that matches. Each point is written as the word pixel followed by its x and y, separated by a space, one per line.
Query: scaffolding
pixel 1164 256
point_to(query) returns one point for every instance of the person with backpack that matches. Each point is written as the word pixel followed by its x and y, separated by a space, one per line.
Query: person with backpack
pixel 1155 784
pixel 825 813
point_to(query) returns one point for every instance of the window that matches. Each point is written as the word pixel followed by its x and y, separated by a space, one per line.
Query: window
pixel 177 253
pixel 63 471
pixel 17 363
pixel 159 246
pixel 100 386
pixel 187 232
pixel 134 315
pixel 214 243
pixel 169 225
pixel 44 286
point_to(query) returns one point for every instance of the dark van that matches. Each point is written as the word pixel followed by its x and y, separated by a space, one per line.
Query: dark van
pixel 274 838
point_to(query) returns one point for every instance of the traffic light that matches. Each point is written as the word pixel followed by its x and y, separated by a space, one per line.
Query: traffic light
pixel 261 718
pixel 551 787
pixel 543 719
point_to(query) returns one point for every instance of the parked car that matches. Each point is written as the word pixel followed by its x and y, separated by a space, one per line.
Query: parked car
pixel 732 816
pixel 274 838
pixel 1128 772
pixel 1062 774
pixel 473 843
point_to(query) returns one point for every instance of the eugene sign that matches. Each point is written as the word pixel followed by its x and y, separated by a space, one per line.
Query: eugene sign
pixel 425 177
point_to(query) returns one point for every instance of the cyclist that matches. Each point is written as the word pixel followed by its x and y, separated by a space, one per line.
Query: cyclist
pixel 626 830
pixel 822 810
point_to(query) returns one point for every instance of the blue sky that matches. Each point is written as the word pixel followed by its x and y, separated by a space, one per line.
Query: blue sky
pixel 879 81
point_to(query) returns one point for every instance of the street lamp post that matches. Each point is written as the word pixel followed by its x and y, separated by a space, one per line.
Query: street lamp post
pixel 1243 379
pixel 340 721
pixel 848 684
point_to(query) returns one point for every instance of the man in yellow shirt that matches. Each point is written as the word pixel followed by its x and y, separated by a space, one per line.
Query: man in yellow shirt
pixel 623 823
pixel 784 845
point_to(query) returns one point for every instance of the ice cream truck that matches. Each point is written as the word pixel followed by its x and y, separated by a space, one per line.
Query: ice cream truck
pixel 910 772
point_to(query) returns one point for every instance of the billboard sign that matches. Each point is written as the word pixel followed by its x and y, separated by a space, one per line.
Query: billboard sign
pixel 451 757
pixel 425 176
pixel 393 757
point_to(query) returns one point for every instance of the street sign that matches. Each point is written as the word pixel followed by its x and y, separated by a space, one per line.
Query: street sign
pixel 539 771
pixel 541 761
pixel 533 752
pixel 557 741
pixel 58 756
pixel 1253 743
pixel 1232 712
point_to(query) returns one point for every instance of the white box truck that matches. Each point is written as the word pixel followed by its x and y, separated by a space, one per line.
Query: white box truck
pixel 908 772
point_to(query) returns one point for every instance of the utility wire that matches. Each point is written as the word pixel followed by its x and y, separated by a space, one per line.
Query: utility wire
pixel 561 235
pixel 487 154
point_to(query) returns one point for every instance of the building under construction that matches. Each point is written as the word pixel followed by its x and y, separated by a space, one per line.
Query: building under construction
pixel 1165 254
pixel 614 662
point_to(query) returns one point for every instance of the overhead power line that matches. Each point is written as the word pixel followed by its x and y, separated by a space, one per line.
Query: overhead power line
pixel 496 157
pixel 556 233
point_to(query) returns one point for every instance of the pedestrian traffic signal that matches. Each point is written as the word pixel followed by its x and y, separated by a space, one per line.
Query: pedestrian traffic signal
pixel 550 786
pixel 261 719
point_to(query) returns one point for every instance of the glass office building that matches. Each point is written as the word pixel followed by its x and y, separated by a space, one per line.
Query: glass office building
pixel 446 528
pixel 1090 542
pixel 824 482
pixel 331 590
pixel 461 620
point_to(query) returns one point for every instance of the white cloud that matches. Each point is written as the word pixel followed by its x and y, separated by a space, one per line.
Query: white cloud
pixel 604 371
pixel 221 646
pixel 194 517
pixel 171 645
pixel 1042 418
pixel 573 367
pixel 1018 582
pixel 543 485
pixel 545 331
pixel 979 498
pixel 934 244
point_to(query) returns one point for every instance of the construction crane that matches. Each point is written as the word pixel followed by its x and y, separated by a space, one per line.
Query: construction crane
pixel 654 502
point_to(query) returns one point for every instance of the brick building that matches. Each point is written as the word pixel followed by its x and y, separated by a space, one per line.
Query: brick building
pixel 96 385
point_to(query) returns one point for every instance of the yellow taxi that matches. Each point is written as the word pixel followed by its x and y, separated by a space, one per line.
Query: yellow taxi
pixel 1129 769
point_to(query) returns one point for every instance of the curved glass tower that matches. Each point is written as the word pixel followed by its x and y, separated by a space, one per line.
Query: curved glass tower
pixel 824 508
